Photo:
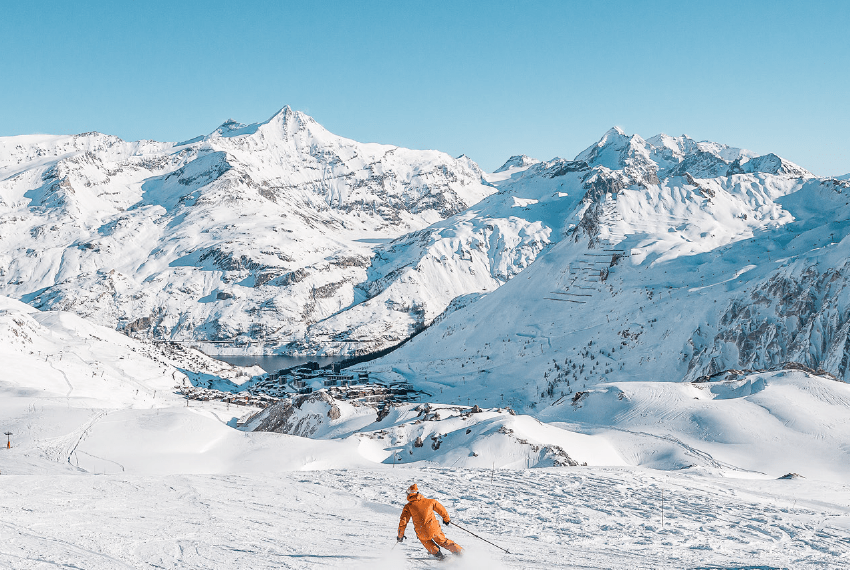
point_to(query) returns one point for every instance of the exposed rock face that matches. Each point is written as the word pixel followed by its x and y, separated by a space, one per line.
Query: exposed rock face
pixel 519 161
pixel 559 457
pixel 384 411
pixel 701 164
pixel 301 416
pixel 799 316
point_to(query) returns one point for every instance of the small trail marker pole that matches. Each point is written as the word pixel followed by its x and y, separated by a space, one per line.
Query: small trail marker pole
pixel 8 439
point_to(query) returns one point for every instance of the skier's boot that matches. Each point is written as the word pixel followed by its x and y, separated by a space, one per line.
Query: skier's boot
pixel 439 555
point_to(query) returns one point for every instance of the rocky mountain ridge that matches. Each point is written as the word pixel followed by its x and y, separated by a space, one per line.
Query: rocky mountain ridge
pixel 246 237
pixel 281 237
pixel 638 280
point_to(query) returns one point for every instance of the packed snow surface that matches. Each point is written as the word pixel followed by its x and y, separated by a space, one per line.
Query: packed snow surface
pixel 577 518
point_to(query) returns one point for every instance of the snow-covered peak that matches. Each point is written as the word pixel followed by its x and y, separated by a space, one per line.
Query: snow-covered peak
pixel 683 146
pixel 516 162
pixel 231 128
pixel 288 122
pixel 727 153
pixel 607 151
pixel 471 165
pixel 287 136
pixel 769 164
pixel 240 215
pixel 282 124
pixel 663 140
pixel 664 156
pixel 676 146
pixel 618 151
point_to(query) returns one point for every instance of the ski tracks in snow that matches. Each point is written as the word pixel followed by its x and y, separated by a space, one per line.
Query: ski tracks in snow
pixel 64 376
pixel 547 518
pixel 611 518
pixel 63 448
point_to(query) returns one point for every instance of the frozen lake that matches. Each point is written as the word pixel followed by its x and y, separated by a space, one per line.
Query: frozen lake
pixel 270 363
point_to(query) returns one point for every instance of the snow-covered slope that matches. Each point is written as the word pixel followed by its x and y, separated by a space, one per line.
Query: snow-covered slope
pixel 774 423
pixel 253 232
pixel 159 483
pixel 682 197
pixel 582 518
pixel 655 261
pixel 433 434
pixel 62 358
pixel 80 397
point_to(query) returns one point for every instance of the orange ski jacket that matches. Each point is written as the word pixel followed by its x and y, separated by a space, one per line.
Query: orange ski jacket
pixel 422 510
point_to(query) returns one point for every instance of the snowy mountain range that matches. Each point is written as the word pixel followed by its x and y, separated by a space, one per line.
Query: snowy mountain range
pixel 654 303
pixel 259 231
pixel 678 259
pixel 282 237
pixel 687 301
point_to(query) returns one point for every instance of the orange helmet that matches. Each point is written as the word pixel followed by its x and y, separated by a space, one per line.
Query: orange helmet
pixel 412 490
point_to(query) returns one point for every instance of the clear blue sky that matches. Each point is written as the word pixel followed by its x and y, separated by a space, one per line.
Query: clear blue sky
pixel 488 79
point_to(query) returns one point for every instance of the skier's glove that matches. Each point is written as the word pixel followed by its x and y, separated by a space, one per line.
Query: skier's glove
pixel 445 522
pixel 400 538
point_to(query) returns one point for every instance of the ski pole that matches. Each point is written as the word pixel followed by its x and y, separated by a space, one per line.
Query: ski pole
pixel 478 537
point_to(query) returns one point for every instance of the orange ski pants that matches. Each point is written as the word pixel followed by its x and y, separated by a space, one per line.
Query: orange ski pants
pixel 439 539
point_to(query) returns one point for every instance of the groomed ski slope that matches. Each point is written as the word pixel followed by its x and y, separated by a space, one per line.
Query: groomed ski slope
pixel 566 518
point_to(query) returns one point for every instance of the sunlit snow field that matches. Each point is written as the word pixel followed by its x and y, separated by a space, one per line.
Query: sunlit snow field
pixel 564 518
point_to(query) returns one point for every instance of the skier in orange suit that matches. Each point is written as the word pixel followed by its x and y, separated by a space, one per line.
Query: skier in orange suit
pixel 428 530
